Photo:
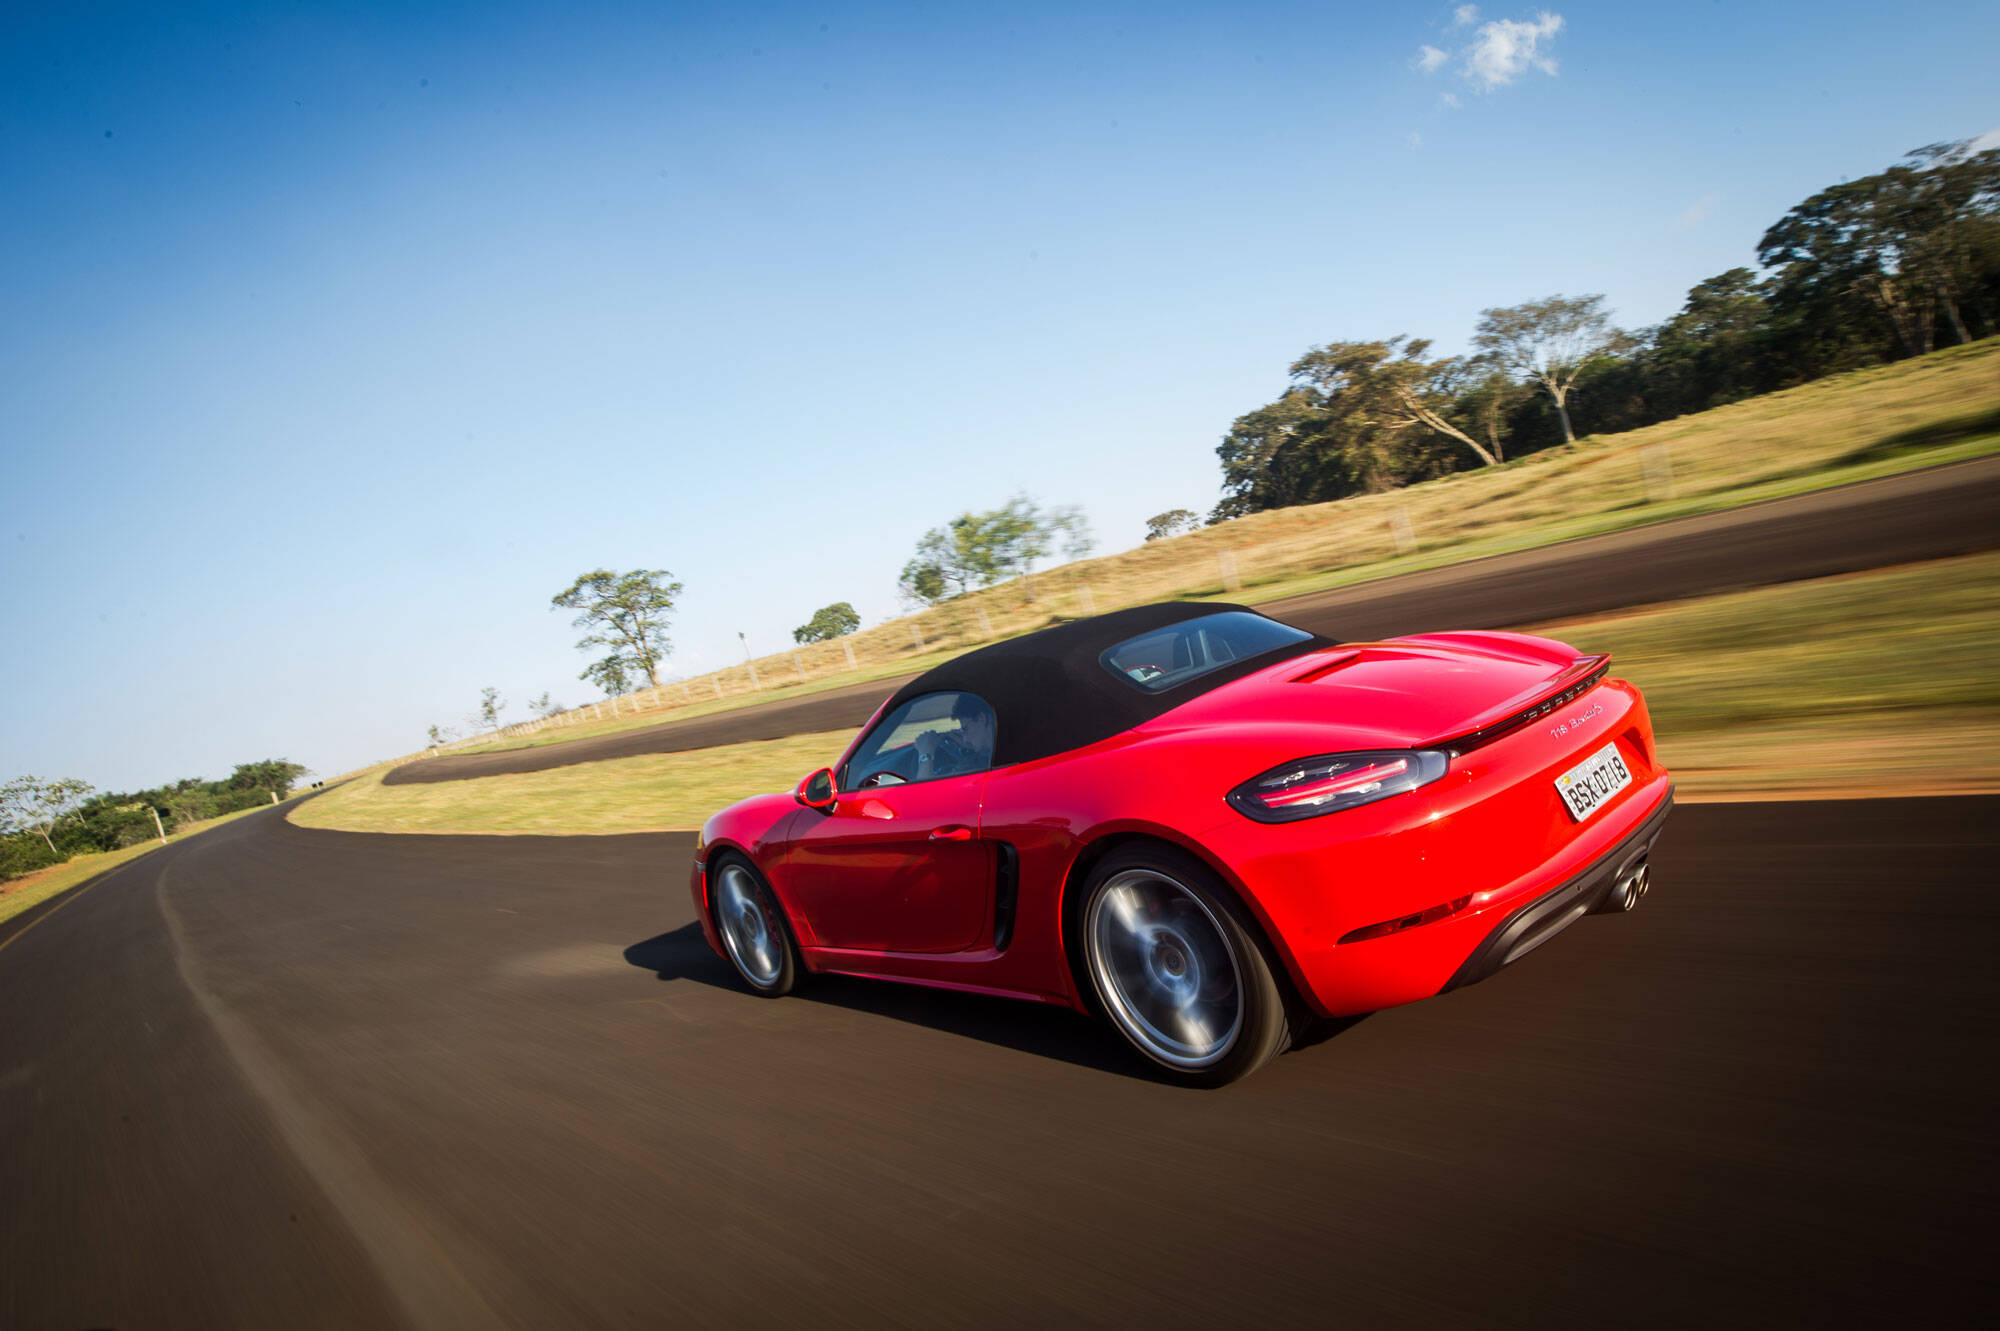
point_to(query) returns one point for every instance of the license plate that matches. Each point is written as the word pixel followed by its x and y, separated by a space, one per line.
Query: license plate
pixel 1586 786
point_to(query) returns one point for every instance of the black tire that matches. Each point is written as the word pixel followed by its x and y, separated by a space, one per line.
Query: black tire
pixel 1179 968
pixel 756 937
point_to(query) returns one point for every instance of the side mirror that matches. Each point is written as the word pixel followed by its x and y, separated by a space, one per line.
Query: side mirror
pixel 816 791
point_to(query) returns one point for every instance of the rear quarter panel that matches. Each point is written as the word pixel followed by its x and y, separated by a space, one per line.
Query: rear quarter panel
pixel 1492 827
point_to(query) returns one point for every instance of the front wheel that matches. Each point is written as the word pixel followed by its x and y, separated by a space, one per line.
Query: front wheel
pixel 753 929
pixel 1178 969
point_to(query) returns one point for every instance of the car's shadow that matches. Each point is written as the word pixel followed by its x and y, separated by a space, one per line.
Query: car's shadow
pixel 1031 1028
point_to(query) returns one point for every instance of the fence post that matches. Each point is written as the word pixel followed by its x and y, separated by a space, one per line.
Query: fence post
pixel 916 635
pixel 717 681
pixel 1084 598
pixel 799 666
pixel 985 624
pixel 1401 531
pixel 1659 471
pixel 848 647
pixel 1227 562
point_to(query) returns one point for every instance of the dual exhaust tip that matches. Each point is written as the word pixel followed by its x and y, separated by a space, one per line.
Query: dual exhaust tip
pixel 1630 886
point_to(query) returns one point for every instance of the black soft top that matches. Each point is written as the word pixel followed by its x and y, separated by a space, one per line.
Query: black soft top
pixel 1050 691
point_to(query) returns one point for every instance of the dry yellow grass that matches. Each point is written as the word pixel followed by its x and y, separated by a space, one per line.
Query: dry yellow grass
pixel 1871 683
pixel 1847 428
pixel 658 792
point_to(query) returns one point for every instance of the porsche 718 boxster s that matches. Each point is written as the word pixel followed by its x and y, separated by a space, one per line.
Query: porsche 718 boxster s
pixel 1203 824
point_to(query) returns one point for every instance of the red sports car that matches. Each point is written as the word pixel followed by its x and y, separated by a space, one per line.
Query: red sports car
pixel 1204 824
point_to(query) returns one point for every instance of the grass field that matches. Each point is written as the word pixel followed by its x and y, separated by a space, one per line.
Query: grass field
pixel 1871 683
pixel 648 794
pixel 32 889
pixel 1919 413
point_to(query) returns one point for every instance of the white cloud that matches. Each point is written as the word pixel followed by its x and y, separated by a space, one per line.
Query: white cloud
pixel 1415 138
pixel 1693 214
pixel 1505 49
pixel 1448 100
pixel 1493 54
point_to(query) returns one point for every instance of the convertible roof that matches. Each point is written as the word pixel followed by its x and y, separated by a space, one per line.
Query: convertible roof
pixel 1050 692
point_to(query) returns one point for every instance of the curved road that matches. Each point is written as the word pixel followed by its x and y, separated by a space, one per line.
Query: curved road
pixel 1898 519
pixel 274 1076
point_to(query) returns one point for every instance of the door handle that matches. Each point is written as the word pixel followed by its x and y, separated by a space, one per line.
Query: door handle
pixel 952 832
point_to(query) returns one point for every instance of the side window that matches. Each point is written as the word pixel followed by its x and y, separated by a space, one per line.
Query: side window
pixel 936 735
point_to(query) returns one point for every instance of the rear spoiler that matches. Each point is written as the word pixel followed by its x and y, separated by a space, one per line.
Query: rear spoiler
pixel 1573 682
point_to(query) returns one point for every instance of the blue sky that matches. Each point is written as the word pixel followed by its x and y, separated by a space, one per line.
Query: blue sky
pixel 334 340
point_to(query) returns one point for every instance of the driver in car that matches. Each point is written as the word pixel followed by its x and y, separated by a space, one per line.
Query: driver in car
pixel 969 748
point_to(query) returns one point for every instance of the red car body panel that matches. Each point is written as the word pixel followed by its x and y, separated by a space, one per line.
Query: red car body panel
pixel 870 890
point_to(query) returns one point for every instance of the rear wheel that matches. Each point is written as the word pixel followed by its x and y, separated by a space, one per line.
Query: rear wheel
pixel 753 929
pixel 1178 968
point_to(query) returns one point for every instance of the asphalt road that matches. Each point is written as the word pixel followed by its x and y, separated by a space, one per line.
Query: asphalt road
pixel 1899 519
pixel 274 1076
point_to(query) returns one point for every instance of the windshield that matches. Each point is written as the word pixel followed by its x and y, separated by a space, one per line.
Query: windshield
pixel 1188 650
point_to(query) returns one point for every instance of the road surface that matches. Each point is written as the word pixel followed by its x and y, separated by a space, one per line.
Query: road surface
pixel 274 1076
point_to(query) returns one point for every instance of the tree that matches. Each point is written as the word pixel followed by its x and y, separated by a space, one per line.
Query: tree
pixel 923 581
pixel 1715 350
pixel 542 706
pixel 1386 386
pixel 1002 542
pixel 980 549
pixel 1279 455
pixel 1360 417
pixel 28 804
pixel 627 612
pixel 1172 523
pixel 828 622
pixel 1906 242
pixel 189 800
pixel 273 774
pixel 1487 399
pixel 1069 529
pixel 1548 342
pixel 442 735
pixel 609 675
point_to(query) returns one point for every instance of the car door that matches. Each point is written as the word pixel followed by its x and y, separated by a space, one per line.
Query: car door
pixel 897 864
pixel 900 869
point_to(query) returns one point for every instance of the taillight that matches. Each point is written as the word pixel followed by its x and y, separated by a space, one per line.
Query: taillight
pixel 1329 782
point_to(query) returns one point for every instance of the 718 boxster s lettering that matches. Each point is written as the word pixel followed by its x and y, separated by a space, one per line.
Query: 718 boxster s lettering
pixel 1205 825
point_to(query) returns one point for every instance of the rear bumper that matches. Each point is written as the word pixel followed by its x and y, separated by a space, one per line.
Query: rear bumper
pixel 1535 923
pixel 1310 896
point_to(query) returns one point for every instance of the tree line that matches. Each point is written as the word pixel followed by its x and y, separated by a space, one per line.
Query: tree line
pixel 1888 266
pixel 46 822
